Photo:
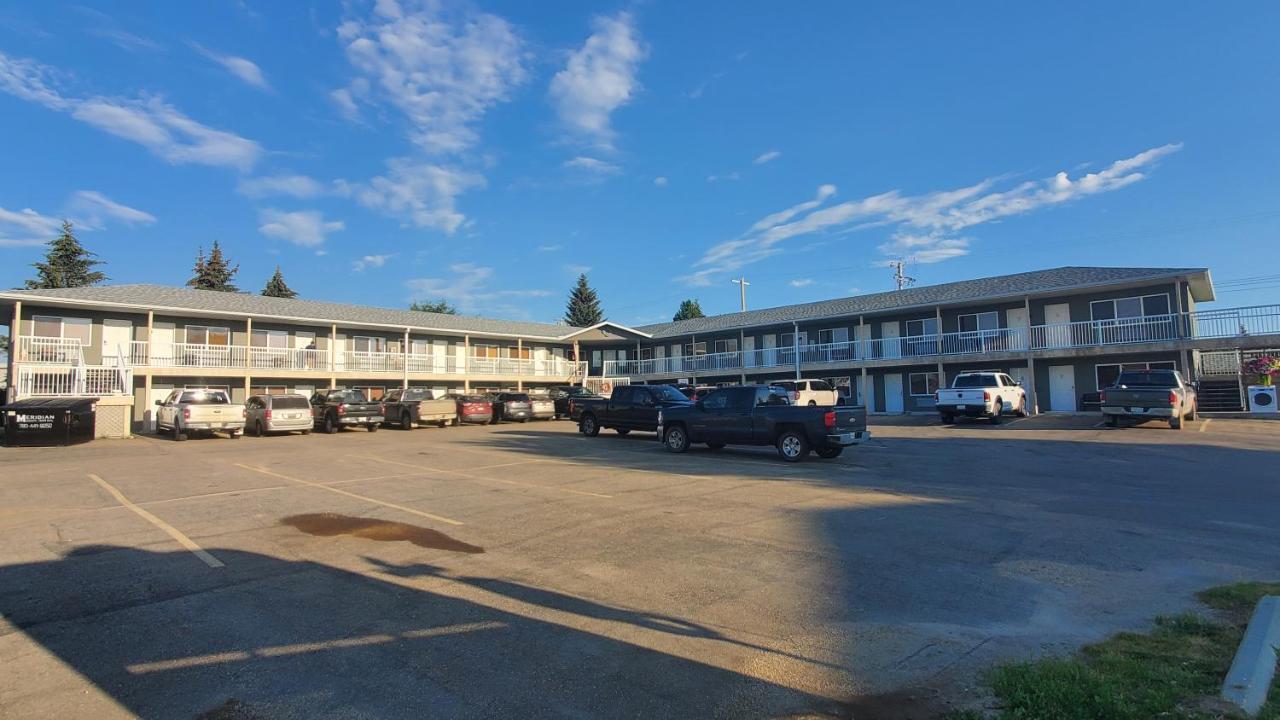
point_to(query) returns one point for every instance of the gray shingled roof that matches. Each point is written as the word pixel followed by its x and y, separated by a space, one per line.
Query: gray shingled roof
pixel 1035 282
pixel 161 296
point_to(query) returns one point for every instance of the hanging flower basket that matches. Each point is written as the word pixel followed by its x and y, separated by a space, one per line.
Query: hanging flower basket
pixel 1266 368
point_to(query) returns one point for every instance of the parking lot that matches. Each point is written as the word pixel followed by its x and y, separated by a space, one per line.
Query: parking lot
pixel 524 570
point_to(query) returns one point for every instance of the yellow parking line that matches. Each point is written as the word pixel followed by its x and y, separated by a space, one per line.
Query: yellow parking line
pixel 366 498
pixel 173 532
pixel 1204 424
pixel 469 476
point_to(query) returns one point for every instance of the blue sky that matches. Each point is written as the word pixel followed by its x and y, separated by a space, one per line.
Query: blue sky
pixel 487 152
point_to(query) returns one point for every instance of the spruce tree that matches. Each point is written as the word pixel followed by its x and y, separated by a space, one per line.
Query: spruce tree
pixel 584 305
pixel 441 306
pixel 276 287
pixel 213 272
pixel 689 309
pixel 66 264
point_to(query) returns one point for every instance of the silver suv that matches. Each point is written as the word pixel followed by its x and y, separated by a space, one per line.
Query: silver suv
pixel 277 413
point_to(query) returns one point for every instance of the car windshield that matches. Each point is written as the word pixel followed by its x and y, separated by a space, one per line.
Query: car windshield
pixel 474 399
pixel 787 386
pixel 668 393
pixel 1148 379
pixel 201 397
pixel 288 402
pixel 974 381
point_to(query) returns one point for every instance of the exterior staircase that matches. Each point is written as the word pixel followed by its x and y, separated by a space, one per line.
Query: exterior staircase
pixel 1220 394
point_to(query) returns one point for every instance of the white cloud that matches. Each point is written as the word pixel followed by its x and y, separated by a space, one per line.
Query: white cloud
pixel 422 193
pixel 767 157
pixel 550 248
pixel 924 226
pixel 727 176
pixel 26 227
pixel 467 286
pixel 801 282
pixel 148 121
pixel 577 269
pixel 442 69
pixel 370 261
pixel 660 181
pixel 246 70
pixel 125 40
pixel 592 165
pixel 91 208
pixel 299 186
pixel 307 228
pixel 599 77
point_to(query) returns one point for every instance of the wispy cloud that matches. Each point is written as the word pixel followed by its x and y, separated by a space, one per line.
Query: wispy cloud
pixel 592 165
pixel 148 121
pixel 371 261
pixel 299 186
pixel 550 248
pixel 599 77
pixel 923 227
pixel 468 287
pixel 576 269
pixel 722 178
pixel 91 209
pixel 425 194
pixel 801 282
pixel 87 209
pixel 767 157
pixel 306 228
pixel 26 227
pixel 246 70
pixel 660 181
pixel 125 40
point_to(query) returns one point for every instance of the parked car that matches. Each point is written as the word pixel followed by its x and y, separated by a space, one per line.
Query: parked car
pixel 203 410
pixel 333 410
pixel 542 407
pixel 564 395
pixel 629 407
pixel 986 394
pixel 277 413
pixel 409 407
pixel 809 392
pixel 511 406
pixel 473 409
pixel 1142 394
pixel 762 415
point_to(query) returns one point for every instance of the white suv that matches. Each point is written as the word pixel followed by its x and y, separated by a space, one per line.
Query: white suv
pixel 808 392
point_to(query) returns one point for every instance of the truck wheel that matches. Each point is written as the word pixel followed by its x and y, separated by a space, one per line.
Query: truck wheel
pixel 589 426
pixel 622 431
pixel 1022 408
pixel 235 434
pixel 997 408
pixel 1175 423
pixel 1113 421
pixel 948 419
pixel 307 431
pixel 406 421
pixel 1195 412
pixel 372 427
pixel 330 426
pixel 177 433
pixel 443 423
pixel 716 446
pixel 830 453
pixel 793 446
pixel 676 439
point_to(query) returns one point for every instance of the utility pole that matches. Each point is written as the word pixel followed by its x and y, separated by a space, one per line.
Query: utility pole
pixel 742 284
pixel 900 279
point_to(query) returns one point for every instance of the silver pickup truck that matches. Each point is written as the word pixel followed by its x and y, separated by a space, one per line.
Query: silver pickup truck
pixel 206 410
pixel 1144 394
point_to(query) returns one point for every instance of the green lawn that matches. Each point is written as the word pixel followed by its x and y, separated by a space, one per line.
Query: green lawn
pixel 1138 676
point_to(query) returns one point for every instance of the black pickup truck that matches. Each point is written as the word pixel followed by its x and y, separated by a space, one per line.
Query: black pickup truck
pixel 332 410
pixel 762 415
pixel 629 407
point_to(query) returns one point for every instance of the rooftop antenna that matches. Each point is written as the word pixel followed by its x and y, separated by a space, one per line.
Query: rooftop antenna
pixel 901 280
pixel 742 284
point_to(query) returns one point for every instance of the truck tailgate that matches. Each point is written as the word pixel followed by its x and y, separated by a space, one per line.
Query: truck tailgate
pixel 1137 398
pixel 965 396
pixel 850 419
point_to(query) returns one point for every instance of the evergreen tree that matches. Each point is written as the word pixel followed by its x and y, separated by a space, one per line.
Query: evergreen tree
pixel 584 305
pixel 441 306
pixel 213 273
pixel 66 264
pixel 276 287
pixel 689 309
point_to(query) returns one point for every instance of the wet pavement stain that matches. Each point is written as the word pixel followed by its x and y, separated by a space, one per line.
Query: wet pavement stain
pixel 331 524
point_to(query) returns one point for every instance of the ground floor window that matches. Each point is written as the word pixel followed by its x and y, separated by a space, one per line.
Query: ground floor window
pixel 924 384
pixel 268 389
pixel 1108 373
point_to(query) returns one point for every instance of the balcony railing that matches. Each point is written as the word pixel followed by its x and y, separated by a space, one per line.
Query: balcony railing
pixel 73 380
pixel 1208 324
pixel 53 351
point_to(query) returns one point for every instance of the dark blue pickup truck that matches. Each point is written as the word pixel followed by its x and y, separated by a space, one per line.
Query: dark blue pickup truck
pixel 628 407
pixel 763 415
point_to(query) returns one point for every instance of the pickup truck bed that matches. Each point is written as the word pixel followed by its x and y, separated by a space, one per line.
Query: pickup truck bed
pixel 1146 394
pixel 408 408
pixel 980 395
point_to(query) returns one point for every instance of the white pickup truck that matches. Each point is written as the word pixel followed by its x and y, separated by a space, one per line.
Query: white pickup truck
pixel 981 394
pixel 202 410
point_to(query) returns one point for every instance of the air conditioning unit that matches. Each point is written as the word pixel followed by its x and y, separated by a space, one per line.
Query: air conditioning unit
pixel 1262 400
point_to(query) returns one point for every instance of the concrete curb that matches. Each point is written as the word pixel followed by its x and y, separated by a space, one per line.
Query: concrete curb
pixel 1250 675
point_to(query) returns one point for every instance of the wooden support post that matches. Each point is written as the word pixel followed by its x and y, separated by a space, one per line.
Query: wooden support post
pixel 15 332
pixel 404 355
pixel 466 363
pixel 942 374
pixel 1031 361
pixel 519 364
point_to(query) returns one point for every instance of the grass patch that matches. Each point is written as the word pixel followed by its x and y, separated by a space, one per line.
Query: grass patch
pixel 1139 676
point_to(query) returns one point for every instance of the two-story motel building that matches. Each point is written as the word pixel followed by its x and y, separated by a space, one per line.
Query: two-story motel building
pixel 1064 332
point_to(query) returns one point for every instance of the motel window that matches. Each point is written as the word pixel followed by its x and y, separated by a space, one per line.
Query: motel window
pixel 925 326
pixel 522 353
pixel 364 343
pixel 974 322
pixel 268 390
pixel 484 351
pixel 208 335
pixel 269 339
pixel 834 335
pixel 60 327
pixel 924 384
pixel 646 353
pixel 723 346
pixel 1107 374
pixel 1130 307
pixel 698 348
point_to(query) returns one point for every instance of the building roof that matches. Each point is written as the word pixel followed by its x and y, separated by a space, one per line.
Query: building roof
pixel 1037 282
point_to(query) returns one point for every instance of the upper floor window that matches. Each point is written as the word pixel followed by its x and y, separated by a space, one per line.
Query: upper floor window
pixel 208 335
pixel 364 343
pixel 698 348
pixel 59 327
pixel 646 353
pixel 523 353
pixel 1130 308
pixel 484 351
pixel 974 322
pixel 834 335
pixel 924 326
pixel 723 346
pixel 269 339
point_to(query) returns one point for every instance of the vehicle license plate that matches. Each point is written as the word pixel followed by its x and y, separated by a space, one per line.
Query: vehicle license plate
pixel 962 407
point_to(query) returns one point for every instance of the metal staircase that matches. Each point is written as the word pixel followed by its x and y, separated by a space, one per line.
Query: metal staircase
pixel 1220 394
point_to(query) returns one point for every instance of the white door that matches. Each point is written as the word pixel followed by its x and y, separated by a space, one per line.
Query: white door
pixel 749 358
pixel 863 333
pixel 893 393
pixel 117 340
pixel 770 354
pixel 161 345
pixel 1058 333
pixel 1017 323
pixel 1062 388
pixel 889 347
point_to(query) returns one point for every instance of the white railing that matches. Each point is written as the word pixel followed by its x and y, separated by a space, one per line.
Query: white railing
pixel 54 351
pixel 552 367
pixel 73 381
pixel 1088 333
pixel 1235 322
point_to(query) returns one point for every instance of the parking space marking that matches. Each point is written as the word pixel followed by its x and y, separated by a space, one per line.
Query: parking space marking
pixel 1204 424
pixel 505 481
pixel 173 532
pixel 365 498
